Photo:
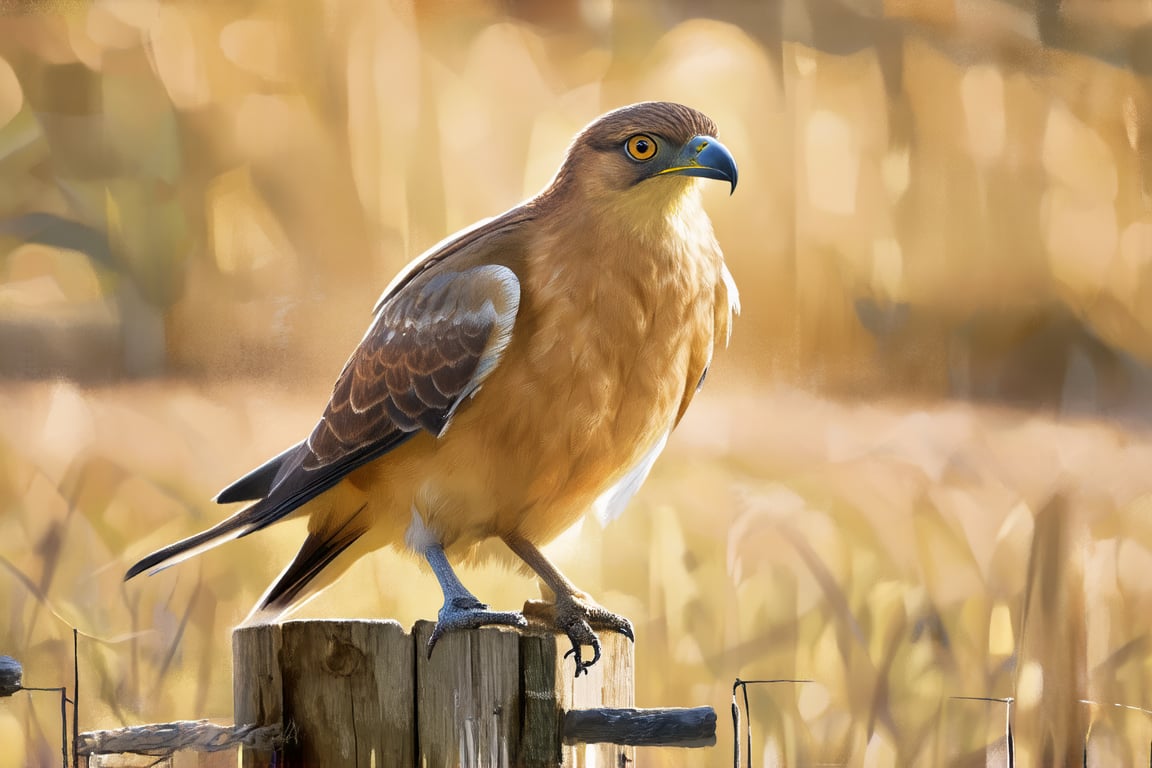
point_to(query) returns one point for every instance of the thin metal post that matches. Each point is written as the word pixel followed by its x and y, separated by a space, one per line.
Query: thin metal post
pixel 75 698
pixel 743 685
pixel 736 728
pixel 64 727
pixel 1007 702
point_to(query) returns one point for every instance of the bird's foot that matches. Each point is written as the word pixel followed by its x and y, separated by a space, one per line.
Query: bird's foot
pixel 578 617
pixel 469 613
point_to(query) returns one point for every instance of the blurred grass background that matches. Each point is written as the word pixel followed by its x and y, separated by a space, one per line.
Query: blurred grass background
pixel 920 472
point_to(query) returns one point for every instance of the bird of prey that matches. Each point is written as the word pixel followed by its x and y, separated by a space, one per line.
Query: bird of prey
pixel 516 375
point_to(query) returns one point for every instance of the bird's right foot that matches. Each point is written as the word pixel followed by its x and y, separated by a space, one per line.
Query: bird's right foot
pixel 469 613
pixel 578 617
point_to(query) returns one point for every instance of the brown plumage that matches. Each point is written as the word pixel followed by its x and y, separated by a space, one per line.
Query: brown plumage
pixel 516 375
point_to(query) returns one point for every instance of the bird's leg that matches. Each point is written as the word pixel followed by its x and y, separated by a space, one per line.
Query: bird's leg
pixel 573 612
pixel 461 609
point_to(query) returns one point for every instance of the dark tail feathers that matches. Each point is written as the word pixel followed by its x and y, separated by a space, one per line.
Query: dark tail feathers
pixel 227 530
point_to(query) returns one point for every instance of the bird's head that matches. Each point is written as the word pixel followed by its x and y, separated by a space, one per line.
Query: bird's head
pixel 651 150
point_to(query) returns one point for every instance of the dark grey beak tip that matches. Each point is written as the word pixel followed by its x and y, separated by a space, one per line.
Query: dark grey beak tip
pixel 716 162
pixel 706 158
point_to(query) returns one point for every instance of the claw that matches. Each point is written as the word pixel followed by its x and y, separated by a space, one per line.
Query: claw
pixel 437 633
pixel 581 665
pixel 464 613
pixel 599 618
pixel 575 651
pixel 625 630
pixel 580 635
pixel 579 619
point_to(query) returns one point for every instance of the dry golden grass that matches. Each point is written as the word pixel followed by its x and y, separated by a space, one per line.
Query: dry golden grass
pixel 933 205
pixel 884 551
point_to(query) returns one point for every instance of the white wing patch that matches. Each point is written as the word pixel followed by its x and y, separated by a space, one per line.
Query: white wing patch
pixel 733 298
pixel 505 309
pixel 505 319
pixel 611 503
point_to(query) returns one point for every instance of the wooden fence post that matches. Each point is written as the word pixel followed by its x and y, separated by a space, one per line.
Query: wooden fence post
pixel 359 693
pixel 468 697
pixel 365 693
pixel 494 697
pixel 342 689
pixel 258 696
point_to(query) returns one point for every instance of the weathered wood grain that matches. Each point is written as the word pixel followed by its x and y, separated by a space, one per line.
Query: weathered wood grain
pixel 541 733
pixel 163 739
pixel 672 727
pixel 365 693
pixel 348 693
pixel 609 683
pixel 468 697
pixel 257 687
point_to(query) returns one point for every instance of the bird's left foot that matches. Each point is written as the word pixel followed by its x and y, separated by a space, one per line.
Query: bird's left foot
pixel 469 613
pixel 578 617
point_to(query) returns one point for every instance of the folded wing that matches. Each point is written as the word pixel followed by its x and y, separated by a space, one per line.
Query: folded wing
pixel 429 349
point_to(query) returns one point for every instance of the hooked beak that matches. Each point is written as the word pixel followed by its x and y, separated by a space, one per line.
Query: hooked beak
pixel 706 157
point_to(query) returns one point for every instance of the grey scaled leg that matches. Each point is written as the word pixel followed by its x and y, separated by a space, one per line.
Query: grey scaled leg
pixel 461 609
pixel 574 613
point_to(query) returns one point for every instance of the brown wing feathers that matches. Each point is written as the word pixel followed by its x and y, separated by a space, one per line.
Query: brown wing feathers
pixel 427 351
pixel 414 367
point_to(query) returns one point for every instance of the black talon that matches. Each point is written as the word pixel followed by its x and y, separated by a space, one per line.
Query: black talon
pixel 579 620
pixel 434 638
pixel 576 652
pixel 466 612
pixel 595 651
pixel 582 666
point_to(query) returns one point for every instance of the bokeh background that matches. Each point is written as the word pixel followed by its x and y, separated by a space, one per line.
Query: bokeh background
pixel 921 472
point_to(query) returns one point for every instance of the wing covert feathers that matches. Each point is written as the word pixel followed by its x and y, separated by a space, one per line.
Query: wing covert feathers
pixel 257 483
pixel 429 349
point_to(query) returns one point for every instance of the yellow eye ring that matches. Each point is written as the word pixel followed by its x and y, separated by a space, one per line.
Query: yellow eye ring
pixel 641 147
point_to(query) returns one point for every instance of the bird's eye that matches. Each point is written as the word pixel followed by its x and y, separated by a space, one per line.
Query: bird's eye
pixel 641 147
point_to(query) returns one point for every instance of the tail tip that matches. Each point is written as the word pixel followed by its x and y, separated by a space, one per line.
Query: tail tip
pixel 147 564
